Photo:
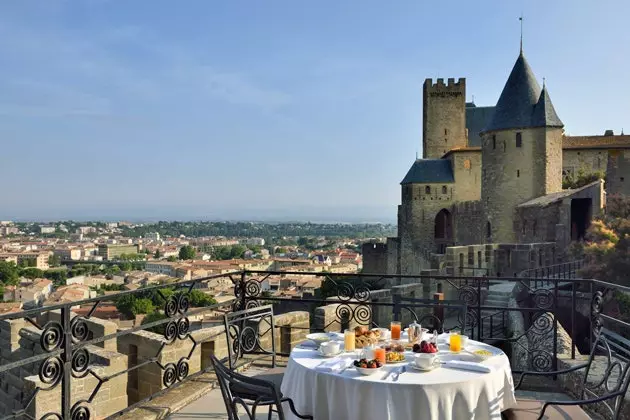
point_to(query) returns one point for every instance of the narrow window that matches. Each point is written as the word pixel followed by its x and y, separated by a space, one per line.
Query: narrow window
pixel 519 140
pixel 444 189
pixel 518 173
pixel 488 230
pixel 446 131
pixel 479 259
pixel 534 228
pixel 427 190
pixel 494 141
pixel 621 179
pixel 504 146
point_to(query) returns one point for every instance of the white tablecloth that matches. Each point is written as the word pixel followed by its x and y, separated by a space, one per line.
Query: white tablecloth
pixel 440 394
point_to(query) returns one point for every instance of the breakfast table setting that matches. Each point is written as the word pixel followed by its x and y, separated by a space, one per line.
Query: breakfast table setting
pixel 391 374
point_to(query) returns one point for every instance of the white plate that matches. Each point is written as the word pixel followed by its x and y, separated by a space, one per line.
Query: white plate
pixel 319 338
pixel 329 355
pixel 416 367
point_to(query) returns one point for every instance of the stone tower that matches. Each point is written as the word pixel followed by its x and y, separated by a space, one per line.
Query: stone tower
pixel 521 152
pixel 444 117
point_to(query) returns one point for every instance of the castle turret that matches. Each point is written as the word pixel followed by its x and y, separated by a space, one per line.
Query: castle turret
pixel 444 117
pixel 521 151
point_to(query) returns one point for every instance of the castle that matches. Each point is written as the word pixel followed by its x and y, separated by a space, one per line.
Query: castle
pixel 488 194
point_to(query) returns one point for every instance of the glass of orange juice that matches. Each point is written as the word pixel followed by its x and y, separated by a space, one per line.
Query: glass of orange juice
pixel 379 354
pixel 395 328
pixel 455 342
pixel 348 340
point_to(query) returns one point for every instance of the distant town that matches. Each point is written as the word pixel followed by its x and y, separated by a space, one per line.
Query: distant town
pixel 61 262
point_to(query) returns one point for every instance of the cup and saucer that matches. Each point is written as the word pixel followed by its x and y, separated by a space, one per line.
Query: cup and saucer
pixel 424 362
pixel 330 349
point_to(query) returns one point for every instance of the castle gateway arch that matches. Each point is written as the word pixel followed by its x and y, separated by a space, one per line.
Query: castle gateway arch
pixel 443 230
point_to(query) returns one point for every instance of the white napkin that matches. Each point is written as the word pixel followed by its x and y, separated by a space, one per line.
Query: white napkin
pixel 334 365
pixel 460 364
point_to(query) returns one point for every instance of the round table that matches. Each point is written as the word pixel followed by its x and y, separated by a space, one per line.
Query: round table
pixel 441 394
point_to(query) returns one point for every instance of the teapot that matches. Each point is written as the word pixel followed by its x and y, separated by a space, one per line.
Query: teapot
pixel 414 332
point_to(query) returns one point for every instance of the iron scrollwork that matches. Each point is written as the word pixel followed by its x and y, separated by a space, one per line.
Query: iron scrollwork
pixel 52 336
pixel 51 371
pixel 597 307
pixel 80 361
pixel 79 329
pixel 170 375
pixel 80 412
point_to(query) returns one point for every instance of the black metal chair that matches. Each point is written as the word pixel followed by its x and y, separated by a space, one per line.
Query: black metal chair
pixel 596 388
pixel 432 320
pixel 251 332
pixel 252 393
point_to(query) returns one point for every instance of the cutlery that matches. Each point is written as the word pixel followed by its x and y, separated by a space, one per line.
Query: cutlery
pixel 397 374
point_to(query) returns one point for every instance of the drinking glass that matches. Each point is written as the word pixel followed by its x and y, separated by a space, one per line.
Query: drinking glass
pixel 379 354
pixel 395 328
pixel 348 340
pixel 455 342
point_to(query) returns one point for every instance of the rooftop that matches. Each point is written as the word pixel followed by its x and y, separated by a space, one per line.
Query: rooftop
pixel 428 171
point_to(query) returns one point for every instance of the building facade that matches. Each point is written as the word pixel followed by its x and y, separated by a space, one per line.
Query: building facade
pixel 494 175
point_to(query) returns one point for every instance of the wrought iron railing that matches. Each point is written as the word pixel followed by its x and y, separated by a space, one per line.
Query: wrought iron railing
pixel 51 348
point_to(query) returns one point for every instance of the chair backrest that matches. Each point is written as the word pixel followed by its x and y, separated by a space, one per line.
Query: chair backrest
pixel 607 373
pixel 264 391
pixel 250 331
pixel 434 319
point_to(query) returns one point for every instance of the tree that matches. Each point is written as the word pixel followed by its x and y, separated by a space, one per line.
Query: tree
pixel 187 252
pixel 126 266
pixel 57 275
pixel 237 251
pixel 32 273
pixel 172 258
pixel 9 273
pixel 198 299
pixel 54 260
pixel 606 251
pixel 142 306
pixel 153 317
pixel 581 178
pixel 124 304
pixel 157 254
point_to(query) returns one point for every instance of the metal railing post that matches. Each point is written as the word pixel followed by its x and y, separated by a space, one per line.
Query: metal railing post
pixel 555 327
pixel 479 310
pixel 66 358
pixel 243 289
pixel 573 308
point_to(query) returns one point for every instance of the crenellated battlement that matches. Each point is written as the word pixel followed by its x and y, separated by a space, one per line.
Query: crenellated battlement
pixel 451 84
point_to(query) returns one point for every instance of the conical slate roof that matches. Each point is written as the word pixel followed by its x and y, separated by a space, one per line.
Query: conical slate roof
pixel 544 112
pixel 520 94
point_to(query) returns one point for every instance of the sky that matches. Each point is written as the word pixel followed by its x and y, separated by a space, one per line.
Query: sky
pixel 268 109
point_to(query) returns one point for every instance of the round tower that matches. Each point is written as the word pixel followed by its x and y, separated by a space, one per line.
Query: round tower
pixel 521 152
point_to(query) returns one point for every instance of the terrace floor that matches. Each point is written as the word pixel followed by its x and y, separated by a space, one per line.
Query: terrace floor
pixel 210 406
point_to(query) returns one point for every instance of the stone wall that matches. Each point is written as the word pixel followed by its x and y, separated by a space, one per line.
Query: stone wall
pixel 618 172
pixel 513 175
pixel 469 223
pixel 374 258
pixel 443 117
pixel 466 166
pixel 498 259
pixel 585 160
pixel 20 340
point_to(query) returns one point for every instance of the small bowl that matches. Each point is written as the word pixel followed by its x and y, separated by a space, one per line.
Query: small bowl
pixel 319 338
pixel 368 371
